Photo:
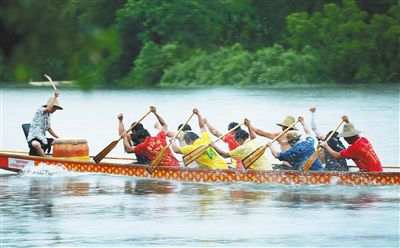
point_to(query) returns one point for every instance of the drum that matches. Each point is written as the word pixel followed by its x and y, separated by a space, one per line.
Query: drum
pixel 71 148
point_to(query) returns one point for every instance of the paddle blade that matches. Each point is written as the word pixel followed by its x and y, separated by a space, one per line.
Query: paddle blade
pixel 250 159
pixel 105 151
pixel 156 161
pixel 307 165
pixel 195 154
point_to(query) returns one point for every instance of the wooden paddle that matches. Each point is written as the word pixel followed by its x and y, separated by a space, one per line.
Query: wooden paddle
pixel 160 155
pixel 307 165
pixel 111 146
pixel 49 78
pixel 196 153
pixel 252 157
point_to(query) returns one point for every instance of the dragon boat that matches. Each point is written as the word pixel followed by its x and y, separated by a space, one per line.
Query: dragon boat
pixel 18 161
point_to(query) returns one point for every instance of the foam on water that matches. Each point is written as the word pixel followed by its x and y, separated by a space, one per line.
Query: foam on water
pixel 44 169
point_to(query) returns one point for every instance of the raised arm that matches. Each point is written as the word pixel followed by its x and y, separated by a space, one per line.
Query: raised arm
pixel 121 128
pixel 219 151
pixel 305 127
pixel 264 133
pixel 212 130
pixel 200 118
pixel 51 103
pixel 320 135
pixel 160 119
pixel 159 128
pixel 250 127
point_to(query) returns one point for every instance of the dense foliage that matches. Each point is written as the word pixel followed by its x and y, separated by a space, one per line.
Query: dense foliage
pixel 138 43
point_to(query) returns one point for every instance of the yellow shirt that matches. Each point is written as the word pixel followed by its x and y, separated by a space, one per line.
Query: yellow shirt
pixel 246 149
pixel 209 159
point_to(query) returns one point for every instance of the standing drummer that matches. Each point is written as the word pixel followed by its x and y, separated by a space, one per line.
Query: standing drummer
pixel 37 140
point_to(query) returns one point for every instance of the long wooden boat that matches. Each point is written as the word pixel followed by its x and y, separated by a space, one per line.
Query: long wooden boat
pixel 17 161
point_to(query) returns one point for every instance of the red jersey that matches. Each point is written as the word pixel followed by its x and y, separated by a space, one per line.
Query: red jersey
pixel 232 144
pixel 152 146
pixel 363 155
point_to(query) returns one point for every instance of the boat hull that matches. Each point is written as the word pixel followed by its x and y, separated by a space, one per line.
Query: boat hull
pixel 17 163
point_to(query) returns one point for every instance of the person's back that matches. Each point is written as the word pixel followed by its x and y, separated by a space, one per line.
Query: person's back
pixel 210 158
pixel 331 164
pixel 152 146
pixel 299 154
pixel 363 154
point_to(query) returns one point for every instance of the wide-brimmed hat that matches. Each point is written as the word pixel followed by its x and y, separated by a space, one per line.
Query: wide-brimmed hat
pixel 349 131
pixel 292 135
pixel 289 120
pixel 56 104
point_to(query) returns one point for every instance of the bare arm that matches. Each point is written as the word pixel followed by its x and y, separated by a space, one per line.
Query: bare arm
pixel 51 104
pixel 219 151
pixel 52 133
pixel 250 127
pixel 274 152
pixel 127 145
pixel 305 127
pixel 201 120
pixel 175 147
pixel 264 133
pixel 331 152
pixel 169 133
pixel 121 128
pixel 214 131
pixel 160 119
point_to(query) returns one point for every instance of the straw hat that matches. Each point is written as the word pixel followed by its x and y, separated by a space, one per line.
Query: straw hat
pixel 289 120
pixel 56 104
pixel 292 135
pixel 349 130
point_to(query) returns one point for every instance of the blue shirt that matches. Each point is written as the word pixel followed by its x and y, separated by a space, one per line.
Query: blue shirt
pixel 299 153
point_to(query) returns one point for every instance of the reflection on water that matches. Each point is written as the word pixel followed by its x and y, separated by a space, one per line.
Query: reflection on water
pixel 96 210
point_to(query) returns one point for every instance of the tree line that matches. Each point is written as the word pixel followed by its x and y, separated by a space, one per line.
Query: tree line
pixel 140 43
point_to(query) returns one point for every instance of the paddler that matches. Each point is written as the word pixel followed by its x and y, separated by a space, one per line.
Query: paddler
pixel 228 139
pixel 289 120
pixel 331 164
pixel 247 144
pixel 133 139
pixel 151 146
pixel 210 158
pixel 299 150
pixel 360 149
pixel 37 140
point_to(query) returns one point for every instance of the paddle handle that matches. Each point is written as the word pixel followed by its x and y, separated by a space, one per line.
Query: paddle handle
pixel 180 129
pixel 233 129
pixel 52 83
pixel 134 125
pixel 337 127
pixel 285 131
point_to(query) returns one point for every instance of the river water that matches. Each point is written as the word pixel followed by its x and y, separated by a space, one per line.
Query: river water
pixel 49 207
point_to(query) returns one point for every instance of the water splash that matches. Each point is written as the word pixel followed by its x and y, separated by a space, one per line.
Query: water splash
pixel 44 169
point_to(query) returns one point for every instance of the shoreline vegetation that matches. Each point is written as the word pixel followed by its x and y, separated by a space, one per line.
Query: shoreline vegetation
pixel 211 43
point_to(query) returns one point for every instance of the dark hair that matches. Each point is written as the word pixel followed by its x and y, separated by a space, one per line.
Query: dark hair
pixel 138 127
pixel 241 134
pixel 185 128
pixel 335 135
pixel 190 136
pixel 232 125
pixel 142 134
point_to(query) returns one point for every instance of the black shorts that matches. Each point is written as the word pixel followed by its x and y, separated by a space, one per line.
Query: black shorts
pixel 46 148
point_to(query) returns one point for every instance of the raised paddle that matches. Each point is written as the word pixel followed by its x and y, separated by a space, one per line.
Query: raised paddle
pixel 196 153
pixel 252 157
pixel 111 146
pixel 49 78
pixel 160 155
pixel 307 165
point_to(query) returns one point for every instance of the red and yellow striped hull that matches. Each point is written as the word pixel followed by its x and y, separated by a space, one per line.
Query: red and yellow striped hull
pixel 16 162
